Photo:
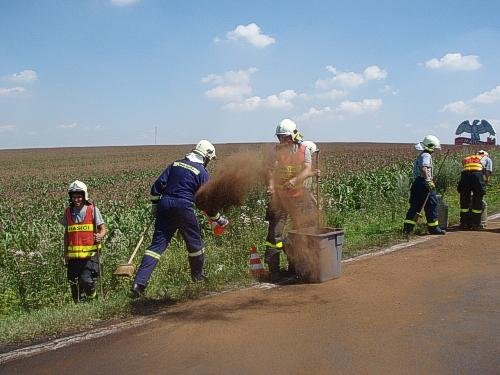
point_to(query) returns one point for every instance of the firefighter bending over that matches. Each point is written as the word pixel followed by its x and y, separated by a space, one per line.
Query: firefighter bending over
pixel 476 172
pixel 173 203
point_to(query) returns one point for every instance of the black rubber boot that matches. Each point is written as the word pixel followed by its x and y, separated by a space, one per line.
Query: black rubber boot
pixel 199 278
pixel 197 264
pixel 436 230
pixel 137 290
pixel 89 289
pixel 465 220
pixel 408 229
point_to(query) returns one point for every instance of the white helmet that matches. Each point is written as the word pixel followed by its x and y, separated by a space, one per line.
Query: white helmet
pixel 286 127
pixel 311 146
pixel 482 152
pixel 205 149
pixel 78 187
pixel 430 143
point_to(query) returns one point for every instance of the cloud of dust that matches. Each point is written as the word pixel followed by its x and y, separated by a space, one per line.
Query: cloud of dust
pixel 235 177
pixel 301 244
pixel 242 172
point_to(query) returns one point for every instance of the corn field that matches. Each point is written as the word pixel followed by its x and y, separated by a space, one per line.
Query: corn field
pixel 355 179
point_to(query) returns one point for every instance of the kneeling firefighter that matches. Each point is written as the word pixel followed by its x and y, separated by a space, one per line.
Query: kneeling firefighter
pixel 84 231
pixel 173 204
pixel 423 189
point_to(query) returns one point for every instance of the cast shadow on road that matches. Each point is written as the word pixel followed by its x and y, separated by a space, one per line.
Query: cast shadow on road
pixel 456 228
pixel 148 306
pixel 491 230
pixel 227 309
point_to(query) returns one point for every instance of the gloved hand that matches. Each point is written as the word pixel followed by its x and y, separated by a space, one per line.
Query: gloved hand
pixel 222 221
pixel 430 185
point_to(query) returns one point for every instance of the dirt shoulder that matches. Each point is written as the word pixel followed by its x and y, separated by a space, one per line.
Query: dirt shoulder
pixel 431 308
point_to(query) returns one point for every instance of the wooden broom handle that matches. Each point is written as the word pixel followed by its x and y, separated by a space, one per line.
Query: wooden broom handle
pixel 141 239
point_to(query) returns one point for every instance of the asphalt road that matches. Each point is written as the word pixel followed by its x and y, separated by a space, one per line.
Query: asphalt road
pixel 433 308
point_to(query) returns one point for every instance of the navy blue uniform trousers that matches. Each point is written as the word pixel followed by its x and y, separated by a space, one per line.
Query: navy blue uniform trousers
pixel 418 192
pixel 172 215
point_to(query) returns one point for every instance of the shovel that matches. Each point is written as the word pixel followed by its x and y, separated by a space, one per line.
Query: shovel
pixel 128 269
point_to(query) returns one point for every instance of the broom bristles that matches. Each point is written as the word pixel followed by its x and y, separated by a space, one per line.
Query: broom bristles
pixel 124 270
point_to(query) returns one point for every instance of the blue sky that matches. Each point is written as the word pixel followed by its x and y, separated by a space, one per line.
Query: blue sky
pixel 107 72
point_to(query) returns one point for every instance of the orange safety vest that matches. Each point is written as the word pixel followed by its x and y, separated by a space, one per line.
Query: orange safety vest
pixel 81 243
pixel 472 163
pixel 289 166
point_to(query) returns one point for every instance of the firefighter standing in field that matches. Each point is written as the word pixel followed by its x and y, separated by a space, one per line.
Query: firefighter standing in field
pixel 423 188
pixel 173 203
pixel 475 175
pixel 84 231
pixel 289 166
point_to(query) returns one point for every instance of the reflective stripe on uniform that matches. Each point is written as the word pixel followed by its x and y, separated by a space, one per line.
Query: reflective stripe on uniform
pixel 464 210
pixel 472 163
pixel 196 253
pixel 277 245
pixel 186 166
pixel 152 254
pixel 83 248
pixel 433 224
pixel 408 221
pixel 476 211
pixel 80 254
pixel 473 167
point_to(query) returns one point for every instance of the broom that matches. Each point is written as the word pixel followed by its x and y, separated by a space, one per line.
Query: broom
pixel 128 269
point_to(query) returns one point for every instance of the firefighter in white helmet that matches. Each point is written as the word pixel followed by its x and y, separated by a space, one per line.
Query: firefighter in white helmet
pixel 289 166
pixel 173 193
pixel 83 234
pixel 423 188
